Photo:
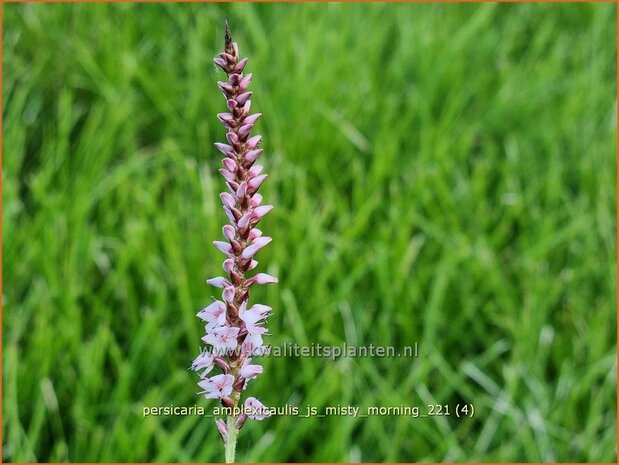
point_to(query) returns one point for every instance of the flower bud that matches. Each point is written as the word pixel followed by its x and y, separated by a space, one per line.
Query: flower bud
pixel 244 83
pixel 227 175
pixel 228 200
pixel 226 149
pixel 254 170
pixel 232 138
pixel 264 278
pixel 223 429
pixel 253 142
pixel 230 165
pixel 226 88
pixel 240 421
pixel 240 65
pixel 228 265
pixel 239 384
pixel 228 294
pixel 232 104
pixel 251 119
pixel 251 156
pixel 227 402
pixel 254 183
pixel 245 130
pixel 254 233
pixel 244 97
pixel 221 63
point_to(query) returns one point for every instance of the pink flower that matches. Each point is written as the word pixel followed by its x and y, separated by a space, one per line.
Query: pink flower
pixel 249 371
pixel 222 338
pixel 223 246
pixel 262 210
pixel 255 314
pixel 214 314
pixel 262 278
pixel 256 245
pixel 203 361
pixel 255 409
pixel 228 294
pixel 252 343
pixel 217 386
pixel 219 282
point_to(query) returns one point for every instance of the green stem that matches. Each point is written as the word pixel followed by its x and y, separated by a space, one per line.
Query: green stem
pixel 231 442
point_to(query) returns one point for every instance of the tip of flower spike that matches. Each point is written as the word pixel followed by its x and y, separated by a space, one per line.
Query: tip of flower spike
pixel 228 37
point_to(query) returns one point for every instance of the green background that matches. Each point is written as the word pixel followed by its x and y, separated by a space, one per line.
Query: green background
pixel 442 174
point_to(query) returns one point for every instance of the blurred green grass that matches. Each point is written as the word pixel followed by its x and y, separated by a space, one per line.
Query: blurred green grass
pixel 441 173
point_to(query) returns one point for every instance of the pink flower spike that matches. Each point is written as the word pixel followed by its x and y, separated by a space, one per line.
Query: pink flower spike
pixel 249 371
pixel 233 321
pixel 253 142
pixel 218 282
pixel 255 183
pixel 251 156
pixel 257 244
pixel 217 386
pixel 255 409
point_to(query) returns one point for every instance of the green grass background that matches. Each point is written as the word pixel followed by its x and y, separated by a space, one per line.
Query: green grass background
pixel 441 173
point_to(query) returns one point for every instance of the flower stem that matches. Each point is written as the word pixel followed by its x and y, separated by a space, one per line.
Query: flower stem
pixel 231 440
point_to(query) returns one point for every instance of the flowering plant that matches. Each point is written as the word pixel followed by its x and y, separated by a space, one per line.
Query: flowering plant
pixel 234 331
